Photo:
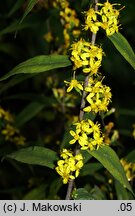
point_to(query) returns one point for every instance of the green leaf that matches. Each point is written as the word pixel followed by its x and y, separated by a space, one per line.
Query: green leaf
pixel 131 157
pixel 35 155
pixel 28 113
pixel 97 193
pixel 37 193
pixel 55 186
pixel 122 45
pixel 90 169
pixel 13 26
pixel 9 49
pixel 31 4
pixel 109 159
pixel 86 156
pixel 33 97
pixel 90 116
pixel 14 81
pixel 126 112
pixel 82 194
pixel 39 64
pixel 122 193
pixel 15 7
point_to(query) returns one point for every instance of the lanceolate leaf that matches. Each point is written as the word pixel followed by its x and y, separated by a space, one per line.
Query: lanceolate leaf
pixel 37 193
pixel 14 81
pixel 13 26
pixel 31 4
pixel 35 155
pixel 122 193
pixel 109 159
pixel 122 45
pixel 28 113
pixel 39 64
pixel 90 169
pixel 15 7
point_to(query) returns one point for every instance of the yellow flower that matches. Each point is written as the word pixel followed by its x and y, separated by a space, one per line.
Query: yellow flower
pixel 70 166
pixel 73 84
pixel 85 126
pixel 48 37
pixel 66 153
pixel 82 138
pixel 6 115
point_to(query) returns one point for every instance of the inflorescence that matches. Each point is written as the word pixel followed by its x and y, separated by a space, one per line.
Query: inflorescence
pixel 87 57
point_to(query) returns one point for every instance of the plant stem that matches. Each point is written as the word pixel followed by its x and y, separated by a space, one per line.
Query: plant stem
pixel 81 114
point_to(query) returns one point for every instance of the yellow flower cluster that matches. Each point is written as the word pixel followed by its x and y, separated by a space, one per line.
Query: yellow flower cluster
pixel 108 130
pixel 13 135
pixel 87 134
pixel 99 96
pixel 70 22
pixel 62 3
pixel 10 133
pixel 108 18
pixel 5 115
pixel 69 167
pixel 86 55
pixel 96 96
pixel 129 169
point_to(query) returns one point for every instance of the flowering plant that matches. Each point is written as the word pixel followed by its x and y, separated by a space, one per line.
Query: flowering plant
pixel 70 126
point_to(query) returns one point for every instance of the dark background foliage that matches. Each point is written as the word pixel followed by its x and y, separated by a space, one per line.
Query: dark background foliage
pixel 19 43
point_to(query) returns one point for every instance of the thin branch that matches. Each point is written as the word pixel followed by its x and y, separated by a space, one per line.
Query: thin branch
pixel 93 40
pixel 81 114
pixel 83 102
pixel 69 190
